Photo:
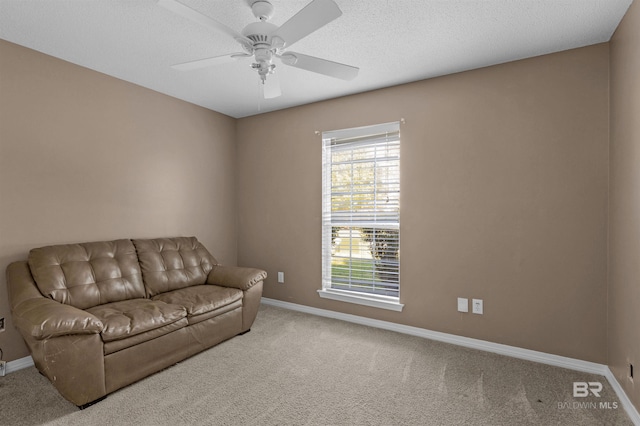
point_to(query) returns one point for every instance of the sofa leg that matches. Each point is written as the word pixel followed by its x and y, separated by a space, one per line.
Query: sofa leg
pixel 89 404
pixel 244 332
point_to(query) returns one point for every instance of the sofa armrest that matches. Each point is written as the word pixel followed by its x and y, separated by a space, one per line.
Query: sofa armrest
pixel 43 318
pixel 40 317
pixel 235 276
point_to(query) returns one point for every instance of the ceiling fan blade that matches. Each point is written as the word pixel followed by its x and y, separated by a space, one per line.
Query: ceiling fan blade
pixel 321 66
pixel 313 16
pixel 271 87
pixel 207 62
pixel 189 13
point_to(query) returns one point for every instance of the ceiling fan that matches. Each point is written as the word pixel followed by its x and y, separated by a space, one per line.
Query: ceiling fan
pixel 265 41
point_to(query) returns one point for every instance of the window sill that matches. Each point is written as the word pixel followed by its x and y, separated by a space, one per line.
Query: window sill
pixel 367 300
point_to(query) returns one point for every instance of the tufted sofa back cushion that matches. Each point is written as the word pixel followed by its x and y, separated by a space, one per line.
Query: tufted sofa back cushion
pixel 172 263
pixel 88 274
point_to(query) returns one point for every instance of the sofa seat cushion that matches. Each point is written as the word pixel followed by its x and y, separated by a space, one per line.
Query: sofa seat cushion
pixel 129 318
pixel 203 301
pixel 116 345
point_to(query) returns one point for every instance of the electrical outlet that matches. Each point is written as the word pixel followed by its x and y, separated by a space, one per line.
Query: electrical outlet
pixel 463 304
pixel 3 368
pixel 281 277
pixel 477 307
pixel 1 325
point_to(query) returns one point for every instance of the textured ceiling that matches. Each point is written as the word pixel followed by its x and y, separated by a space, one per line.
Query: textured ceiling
pixel 391 41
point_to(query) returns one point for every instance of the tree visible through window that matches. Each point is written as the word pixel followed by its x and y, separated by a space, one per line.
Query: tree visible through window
pixel 361 210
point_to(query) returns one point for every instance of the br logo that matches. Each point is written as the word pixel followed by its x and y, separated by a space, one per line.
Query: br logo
pixel 582 389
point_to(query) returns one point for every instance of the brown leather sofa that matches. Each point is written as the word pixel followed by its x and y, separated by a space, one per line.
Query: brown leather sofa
pixel 99 316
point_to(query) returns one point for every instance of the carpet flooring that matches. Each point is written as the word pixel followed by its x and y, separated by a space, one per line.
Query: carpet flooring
pixel 299 369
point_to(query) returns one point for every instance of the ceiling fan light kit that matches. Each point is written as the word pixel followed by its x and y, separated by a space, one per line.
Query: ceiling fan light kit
pixel 265 41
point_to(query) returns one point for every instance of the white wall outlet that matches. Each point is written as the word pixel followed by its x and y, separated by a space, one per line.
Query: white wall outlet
pixel 281 277
pixel 477 306
pixel 463 304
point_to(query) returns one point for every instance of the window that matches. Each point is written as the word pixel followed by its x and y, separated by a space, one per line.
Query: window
pixel 361 215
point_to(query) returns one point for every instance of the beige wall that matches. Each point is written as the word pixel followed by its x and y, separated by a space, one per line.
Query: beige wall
pixel 87 157
pixel 504 187
pixel 504 198
pixel 624 225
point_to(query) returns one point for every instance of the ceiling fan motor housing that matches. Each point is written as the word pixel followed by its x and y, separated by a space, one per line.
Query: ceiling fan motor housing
pixel 259 33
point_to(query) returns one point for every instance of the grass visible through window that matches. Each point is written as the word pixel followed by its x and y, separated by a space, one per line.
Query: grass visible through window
pixel 361 269
pixel 356 274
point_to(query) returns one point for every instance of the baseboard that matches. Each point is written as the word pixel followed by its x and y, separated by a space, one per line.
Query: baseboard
pixel 631 410
pixel 19 364
pixel 512 351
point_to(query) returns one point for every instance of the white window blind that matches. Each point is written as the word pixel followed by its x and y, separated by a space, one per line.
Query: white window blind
pixel 361 210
